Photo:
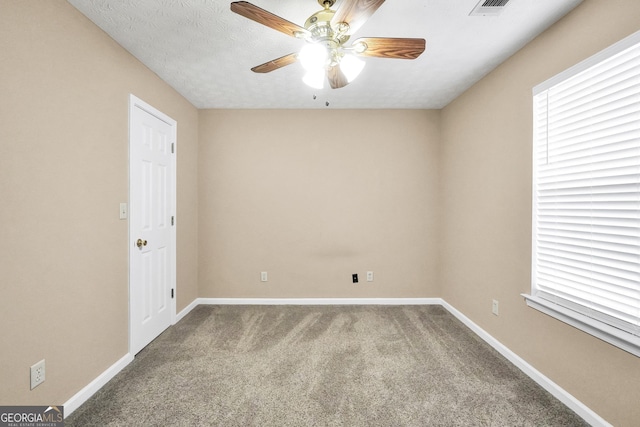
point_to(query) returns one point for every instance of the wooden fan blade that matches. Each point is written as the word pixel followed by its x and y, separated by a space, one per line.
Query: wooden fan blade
pixel 355 13
pixel 336 78
pixel 263 17
pixel 267 67
pixel 383 47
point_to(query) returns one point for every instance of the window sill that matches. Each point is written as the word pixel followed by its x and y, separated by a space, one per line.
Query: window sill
pixel 613 336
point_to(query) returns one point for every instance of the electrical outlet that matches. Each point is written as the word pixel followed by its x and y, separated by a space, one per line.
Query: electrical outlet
pixel 263 276
pixel 369 276
pixel 354 277
pixel 37 374
pixel 494 307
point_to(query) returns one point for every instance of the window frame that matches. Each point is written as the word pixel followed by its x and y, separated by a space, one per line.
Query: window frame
pixel 620 338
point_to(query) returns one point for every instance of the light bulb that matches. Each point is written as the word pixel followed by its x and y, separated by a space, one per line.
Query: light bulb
pixel 314 78
pixel 313 56
pixel 351 67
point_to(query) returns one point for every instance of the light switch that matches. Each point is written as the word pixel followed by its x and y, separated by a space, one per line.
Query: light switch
pixel 123 211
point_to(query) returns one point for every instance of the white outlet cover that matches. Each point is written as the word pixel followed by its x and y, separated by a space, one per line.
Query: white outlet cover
pixel 37 374
pixel 263 276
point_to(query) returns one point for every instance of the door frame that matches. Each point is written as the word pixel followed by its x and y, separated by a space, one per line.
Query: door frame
pixel 135 102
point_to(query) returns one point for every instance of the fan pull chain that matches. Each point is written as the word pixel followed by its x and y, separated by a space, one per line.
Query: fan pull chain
pixel 326 103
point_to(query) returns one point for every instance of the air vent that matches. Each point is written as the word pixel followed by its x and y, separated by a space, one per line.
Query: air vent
pixel 489 8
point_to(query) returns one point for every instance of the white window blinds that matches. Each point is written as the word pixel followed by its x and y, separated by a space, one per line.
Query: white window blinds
pixel 586 190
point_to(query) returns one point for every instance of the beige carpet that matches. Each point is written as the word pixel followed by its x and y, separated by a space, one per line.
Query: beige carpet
pixel 321 366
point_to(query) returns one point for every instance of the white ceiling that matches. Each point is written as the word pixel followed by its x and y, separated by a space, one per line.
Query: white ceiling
pixel 205 51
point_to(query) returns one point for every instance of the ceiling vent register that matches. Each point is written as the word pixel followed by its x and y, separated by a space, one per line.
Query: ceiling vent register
pixel 489 8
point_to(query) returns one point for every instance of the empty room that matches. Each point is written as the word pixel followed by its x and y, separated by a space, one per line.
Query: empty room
pixel 303 212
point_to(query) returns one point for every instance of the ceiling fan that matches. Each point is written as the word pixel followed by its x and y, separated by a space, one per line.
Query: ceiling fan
pixel 325 55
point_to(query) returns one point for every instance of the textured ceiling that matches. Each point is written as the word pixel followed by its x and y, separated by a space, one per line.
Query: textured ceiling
pixel 205 51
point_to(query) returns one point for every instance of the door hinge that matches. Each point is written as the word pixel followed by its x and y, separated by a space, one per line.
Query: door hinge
pixel 172 219
pixel 173 147
pixel 172 293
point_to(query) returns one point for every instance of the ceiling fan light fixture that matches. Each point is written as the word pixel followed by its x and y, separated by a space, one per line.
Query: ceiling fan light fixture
pixel 313 56
pixel 325 55
pixel 351 67
pixel 314 78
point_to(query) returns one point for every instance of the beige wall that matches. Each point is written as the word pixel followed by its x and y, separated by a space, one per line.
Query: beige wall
pixel 282 192
pixel 486 201
pixel 437 204
pixel 64 88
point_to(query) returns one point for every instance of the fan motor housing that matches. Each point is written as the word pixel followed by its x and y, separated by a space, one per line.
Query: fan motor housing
pixel 319 25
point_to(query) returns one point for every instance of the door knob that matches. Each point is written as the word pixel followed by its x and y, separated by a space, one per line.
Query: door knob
pixel 140 243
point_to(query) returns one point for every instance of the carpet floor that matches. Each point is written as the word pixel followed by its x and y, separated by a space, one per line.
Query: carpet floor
pixel 321 366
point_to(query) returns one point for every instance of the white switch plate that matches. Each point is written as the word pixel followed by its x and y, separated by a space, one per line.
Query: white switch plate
pixel 494 307
pixel 263 276
pixel 369 276
pixel 123 211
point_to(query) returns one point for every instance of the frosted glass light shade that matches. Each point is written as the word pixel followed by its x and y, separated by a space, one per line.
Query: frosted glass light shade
pixel 314 78
pixel 351 67
pixel 313 56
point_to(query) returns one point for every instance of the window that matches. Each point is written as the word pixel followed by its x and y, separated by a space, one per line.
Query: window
pixel 586 196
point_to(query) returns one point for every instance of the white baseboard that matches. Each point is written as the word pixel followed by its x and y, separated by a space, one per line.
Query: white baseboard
pixel 90 389
pixel 187 309
pixel 558 392
pixel 319 301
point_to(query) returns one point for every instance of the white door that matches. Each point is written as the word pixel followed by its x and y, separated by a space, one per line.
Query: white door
pixel 152 138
